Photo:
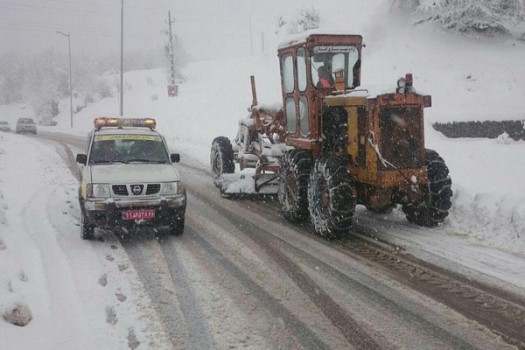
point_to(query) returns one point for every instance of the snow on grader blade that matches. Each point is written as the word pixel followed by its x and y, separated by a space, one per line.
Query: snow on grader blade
pixel 255 153
pixel 248 184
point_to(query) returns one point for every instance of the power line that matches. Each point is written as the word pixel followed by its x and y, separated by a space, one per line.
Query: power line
pixel 91 4
pixel 82 12
pixel 59 26
pixel 32 8
pixel 77 33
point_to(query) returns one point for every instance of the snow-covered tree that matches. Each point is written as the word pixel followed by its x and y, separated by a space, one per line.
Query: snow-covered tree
pixel 306 19
pixel 47 82
pixel 11 78
pixel 42 80
pixel 474 17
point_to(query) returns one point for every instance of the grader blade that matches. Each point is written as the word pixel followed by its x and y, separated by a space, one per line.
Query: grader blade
pixel 249 184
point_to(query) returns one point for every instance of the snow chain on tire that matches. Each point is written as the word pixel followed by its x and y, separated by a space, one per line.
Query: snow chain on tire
pixel 438 193
pixel 331 197
pixel 293 184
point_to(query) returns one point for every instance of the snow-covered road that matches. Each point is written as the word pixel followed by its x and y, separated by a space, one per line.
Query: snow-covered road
pixel 71 287
pixel 240 276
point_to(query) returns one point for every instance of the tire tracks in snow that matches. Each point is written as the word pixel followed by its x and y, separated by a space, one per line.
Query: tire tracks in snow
pixel 166 280
pixel 353 330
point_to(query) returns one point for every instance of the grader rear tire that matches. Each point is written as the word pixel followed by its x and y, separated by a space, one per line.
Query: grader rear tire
pixel 293 184
pixel 331 197
pixel 438 193
pixel 221 158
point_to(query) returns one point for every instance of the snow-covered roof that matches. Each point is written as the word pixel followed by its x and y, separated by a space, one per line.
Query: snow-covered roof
pixel 301 37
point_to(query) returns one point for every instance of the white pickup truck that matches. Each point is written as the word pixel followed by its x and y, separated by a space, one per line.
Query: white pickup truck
pixel 128 178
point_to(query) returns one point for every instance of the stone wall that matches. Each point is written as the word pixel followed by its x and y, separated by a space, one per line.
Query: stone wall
pixel 489 129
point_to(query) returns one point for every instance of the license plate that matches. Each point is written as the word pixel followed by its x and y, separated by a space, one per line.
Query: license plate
pixel 138 214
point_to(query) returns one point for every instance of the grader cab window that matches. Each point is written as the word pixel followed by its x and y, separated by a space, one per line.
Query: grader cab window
pixel 301 69
pixel 335 66
pixel 287 74
pixel 291 115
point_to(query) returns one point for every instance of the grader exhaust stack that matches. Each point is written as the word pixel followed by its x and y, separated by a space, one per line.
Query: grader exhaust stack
pixel 254 91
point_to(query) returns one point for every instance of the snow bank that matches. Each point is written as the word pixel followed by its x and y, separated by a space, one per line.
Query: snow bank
pixel 489 218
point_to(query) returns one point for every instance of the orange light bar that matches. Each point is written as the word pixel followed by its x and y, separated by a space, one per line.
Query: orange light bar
pixel 125 122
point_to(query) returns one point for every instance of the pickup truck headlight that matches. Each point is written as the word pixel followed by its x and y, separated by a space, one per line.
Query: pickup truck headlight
pixel 172 188
pixel 98 191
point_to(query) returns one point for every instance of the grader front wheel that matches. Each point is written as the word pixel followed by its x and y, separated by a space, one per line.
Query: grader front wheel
pixel 221 158
pixel 331 197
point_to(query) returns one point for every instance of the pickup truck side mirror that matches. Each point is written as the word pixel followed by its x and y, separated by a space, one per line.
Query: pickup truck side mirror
pixel 82 159
pixel 175 157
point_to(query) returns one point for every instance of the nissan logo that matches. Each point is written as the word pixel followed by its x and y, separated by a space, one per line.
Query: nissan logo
pixel 136 189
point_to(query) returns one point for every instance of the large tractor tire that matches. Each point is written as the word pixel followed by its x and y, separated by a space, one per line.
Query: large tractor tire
pixel 438 193
pixel 221 158
pixel 293 184
pixel 331 197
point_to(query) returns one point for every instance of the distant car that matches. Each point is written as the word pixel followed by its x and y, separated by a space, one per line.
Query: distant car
pixel 4 126
pixel 25 125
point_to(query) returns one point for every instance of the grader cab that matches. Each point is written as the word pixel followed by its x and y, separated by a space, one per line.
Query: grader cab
pixel 338 146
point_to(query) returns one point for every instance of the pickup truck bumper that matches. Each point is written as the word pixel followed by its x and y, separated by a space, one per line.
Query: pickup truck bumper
pixel 109 213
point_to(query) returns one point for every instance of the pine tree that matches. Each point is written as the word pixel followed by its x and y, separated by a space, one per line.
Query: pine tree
pixel 11 78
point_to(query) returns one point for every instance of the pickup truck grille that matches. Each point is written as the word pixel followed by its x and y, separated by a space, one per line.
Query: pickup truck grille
pixel 123 190
pixel 152 189
pixel 120 190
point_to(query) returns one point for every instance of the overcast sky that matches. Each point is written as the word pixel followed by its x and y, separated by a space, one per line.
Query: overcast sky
pixel 208 28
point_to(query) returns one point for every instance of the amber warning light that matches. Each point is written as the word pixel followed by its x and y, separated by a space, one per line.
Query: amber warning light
pixel 123 122
pixel 409 81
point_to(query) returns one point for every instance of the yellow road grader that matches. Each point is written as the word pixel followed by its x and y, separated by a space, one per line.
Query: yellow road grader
pixel 331 146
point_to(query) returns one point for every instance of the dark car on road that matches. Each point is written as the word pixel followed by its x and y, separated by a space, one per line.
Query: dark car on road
pixel 4 126
pixel 25 125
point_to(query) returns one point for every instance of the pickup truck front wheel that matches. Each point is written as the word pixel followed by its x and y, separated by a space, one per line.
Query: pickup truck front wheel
pixel 87 230
pixel 177 225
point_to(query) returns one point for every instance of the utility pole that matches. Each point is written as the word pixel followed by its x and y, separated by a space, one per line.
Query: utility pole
pixel 68 36
pixel 170 54
pixel 251 36
pixel 122 58
pixel 262 42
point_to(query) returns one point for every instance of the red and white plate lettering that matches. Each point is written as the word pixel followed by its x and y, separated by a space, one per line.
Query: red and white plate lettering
pixel 138 214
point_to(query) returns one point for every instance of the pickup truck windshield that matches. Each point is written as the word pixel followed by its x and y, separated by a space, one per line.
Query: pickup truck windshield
pixel 127 149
